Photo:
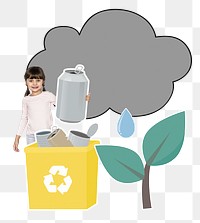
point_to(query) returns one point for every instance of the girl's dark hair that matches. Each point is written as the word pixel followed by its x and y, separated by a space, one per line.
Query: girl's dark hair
pixel 34 73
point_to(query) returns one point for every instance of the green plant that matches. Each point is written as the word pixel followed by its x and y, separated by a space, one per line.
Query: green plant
pixel 161 144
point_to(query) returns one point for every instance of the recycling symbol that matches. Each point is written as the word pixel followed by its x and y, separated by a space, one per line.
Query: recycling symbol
pixel 63 187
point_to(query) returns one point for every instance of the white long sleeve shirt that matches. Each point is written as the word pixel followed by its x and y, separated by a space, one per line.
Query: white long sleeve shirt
pixel 36 112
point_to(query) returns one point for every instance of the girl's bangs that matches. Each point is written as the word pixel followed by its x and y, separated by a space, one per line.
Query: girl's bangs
pixel 35 76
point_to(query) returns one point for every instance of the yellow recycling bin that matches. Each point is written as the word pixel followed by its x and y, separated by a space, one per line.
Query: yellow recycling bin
pixel 62 177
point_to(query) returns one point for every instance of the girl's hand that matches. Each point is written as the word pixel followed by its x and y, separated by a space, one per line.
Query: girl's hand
pixel 16 143
pixel 15 147
pixel 87 97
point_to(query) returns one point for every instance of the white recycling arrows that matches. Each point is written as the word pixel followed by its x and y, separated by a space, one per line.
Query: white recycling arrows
pixel 47 182
pixel 60 169
pixel 63 187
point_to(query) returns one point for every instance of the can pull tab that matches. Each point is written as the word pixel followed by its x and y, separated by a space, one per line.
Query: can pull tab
pixel 79 68
pixel 53 128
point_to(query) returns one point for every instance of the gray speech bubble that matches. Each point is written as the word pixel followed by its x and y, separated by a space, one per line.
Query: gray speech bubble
pixel 127 64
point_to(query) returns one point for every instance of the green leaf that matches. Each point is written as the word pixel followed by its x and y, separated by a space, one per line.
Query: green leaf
pixel 163 141
pixel 122 164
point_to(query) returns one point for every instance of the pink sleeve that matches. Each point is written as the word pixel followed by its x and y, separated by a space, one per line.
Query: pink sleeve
pixel 24 118
pixel 52 100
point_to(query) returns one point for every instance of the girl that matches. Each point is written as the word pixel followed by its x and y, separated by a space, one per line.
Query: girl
pixel 36 106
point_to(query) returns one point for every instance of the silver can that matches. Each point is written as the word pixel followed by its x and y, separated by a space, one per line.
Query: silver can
pixel 72 88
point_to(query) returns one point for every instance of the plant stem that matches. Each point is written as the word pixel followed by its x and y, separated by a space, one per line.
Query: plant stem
pixel 145 188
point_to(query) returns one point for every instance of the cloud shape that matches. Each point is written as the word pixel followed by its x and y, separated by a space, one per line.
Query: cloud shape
pixel 127 64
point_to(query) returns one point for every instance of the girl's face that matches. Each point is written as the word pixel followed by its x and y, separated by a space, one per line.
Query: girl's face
pixel 35 85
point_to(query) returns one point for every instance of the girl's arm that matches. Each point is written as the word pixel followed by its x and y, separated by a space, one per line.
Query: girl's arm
pixel 52 100
pixel 24 118
pixel 22 125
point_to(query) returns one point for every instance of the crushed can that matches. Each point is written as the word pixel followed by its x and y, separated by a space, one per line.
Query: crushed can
pixel 72 88
pixel 41 137
pixel 58 138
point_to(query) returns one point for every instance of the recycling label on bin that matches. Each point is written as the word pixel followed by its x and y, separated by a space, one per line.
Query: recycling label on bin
pixel 49 180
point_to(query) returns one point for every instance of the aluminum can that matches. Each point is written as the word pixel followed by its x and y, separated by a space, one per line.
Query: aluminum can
pixel 72 88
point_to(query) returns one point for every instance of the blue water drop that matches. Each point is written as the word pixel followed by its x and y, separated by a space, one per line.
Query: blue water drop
pixel 126 124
